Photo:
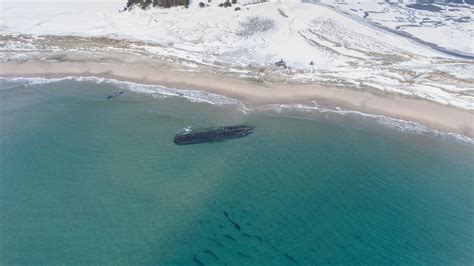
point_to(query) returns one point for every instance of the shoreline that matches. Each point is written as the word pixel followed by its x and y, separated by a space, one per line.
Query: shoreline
pixel 431 114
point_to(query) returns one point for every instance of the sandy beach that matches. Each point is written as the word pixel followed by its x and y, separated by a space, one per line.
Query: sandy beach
pixel 435 115
pixel 247 132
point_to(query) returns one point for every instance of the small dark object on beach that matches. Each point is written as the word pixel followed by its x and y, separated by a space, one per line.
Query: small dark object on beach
pixel 115 94
pixel 281 63
pixel 209 135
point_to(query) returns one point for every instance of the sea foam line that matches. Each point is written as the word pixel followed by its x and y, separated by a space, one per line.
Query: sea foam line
pixel 155 90
pixel 389 122
pixel 216 99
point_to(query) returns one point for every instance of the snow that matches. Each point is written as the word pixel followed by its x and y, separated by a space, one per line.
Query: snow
pixel 454 22
pixel 212 30
pixel 345 51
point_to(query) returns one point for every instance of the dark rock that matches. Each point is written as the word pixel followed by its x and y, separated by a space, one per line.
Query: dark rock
pixel 229 237
pixel 211 253
pixel 290 257
pixel 115 94
pixel 195 259
pixel 236 225
pixel 244 255
pixel 246 235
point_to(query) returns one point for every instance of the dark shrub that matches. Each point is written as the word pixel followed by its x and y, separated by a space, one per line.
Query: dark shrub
pixel 201 4
pixel 234 1
pixel 145 4
pixel 281 63
pixel 237 9
pixel 156 3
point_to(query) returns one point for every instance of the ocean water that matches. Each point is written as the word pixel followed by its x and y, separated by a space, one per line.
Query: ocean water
pixel 86 180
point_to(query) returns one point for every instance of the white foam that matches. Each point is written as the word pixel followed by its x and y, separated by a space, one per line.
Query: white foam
pixel 155 90
pixel 216 99
pixel 389 122
pixel 343 49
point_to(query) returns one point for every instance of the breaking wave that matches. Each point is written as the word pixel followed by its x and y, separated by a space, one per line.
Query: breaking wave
pixel 155 90
pixel 216 99
pixel 389 122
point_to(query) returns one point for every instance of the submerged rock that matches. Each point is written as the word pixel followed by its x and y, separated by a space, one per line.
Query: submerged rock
pixel 115 94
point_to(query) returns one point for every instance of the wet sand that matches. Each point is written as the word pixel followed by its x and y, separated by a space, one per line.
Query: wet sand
pixel 435 115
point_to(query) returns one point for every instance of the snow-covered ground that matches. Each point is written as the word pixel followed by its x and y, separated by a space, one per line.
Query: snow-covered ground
pixel 448 25
pixel 317 43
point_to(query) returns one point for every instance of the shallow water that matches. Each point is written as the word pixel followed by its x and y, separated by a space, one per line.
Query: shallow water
pixel 89 180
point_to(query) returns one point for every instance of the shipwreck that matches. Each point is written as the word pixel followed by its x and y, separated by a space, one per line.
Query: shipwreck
pixel 209 135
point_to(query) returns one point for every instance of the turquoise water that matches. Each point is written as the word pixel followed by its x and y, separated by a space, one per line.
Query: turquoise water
pixel 86 180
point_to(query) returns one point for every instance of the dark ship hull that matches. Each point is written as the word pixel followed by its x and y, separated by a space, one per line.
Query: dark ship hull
pixel 212 134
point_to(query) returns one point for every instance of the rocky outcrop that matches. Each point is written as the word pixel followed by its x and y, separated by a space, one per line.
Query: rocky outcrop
pixel 156 3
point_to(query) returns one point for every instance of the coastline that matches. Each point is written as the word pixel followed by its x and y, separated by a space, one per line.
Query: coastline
pixel 434 115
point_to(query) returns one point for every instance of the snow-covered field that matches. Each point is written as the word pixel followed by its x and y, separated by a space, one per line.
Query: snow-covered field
pixel 317 43
pixel 449 25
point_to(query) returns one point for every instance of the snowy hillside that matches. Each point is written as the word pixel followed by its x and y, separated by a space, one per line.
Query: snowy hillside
pixel 317 43
pixel 448 24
